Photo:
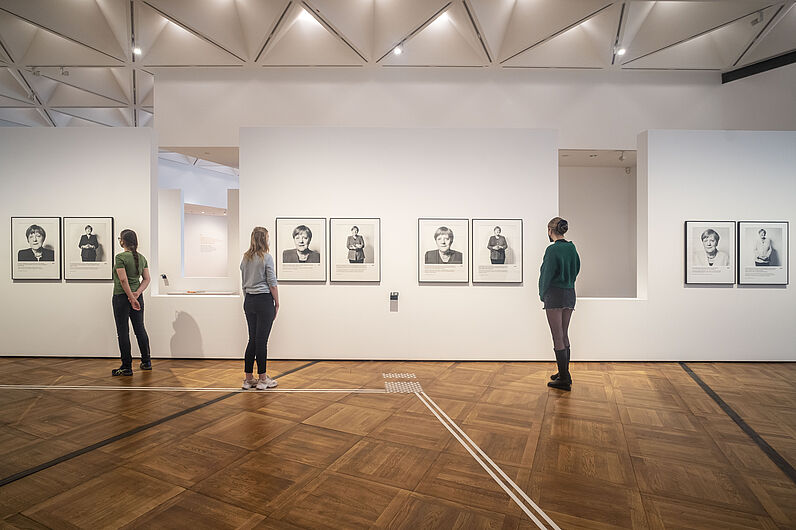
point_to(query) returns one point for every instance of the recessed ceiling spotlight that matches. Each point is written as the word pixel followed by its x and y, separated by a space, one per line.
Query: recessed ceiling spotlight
pixel 621 51
pixel 592 155
pixel 397 50
pixel 137 50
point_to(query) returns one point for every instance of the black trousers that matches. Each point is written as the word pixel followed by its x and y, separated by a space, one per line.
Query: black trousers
pixel 124 313
pixel 259 309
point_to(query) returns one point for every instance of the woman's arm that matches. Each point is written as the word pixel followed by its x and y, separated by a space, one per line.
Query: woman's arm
pixel 144 283
pixel 122 273
pixel 275 293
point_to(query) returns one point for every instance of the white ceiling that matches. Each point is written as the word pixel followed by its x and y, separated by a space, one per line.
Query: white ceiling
pixel 71 62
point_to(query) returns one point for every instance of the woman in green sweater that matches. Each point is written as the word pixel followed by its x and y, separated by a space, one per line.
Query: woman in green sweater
pixel 560 267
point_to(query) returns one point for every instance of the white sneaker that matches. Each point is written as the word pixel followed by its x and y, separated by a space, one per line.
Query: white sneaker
pixel 266 383
pixel 248 383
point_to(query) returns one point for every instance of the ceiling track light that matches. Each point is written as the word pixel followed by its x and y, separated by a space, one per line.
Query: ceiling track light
pixel 64 71
pixel 398 50
pixel 136 50
pixel 620 51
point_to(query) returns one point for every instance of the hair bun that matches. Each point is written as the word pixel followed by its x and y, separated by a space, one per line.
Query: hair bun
pixel 562 227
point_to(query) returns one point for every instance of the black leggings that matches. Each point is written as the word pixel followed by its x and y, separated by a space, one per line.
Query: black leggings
pixel 122 313
pixel 558 319
pixel 259 309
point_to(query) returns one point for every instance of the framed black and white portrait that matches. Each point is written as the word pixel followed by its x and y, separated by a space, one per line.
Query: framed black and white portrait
pixel 763 250
pixel 710 252
pixel 36 248
pixel 497 250
pixel 88 248
pixel 300 249
pixel 443 254
pixel 355 249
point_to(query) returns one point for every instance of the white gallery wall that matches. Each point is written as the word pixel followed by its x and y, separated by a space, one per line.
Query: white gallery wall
pixel 590 109
pixel 700 175
pixel 59 172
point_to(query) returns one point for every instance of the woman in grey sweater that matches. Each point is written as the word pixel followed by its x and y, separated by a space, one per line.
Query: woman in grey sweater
pixel 261 304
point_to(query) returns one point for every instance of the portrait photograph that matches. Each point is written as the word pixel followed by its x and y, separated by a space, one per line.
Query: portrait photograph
pixel 497 250
pixel 36 248
pixel 443 253
pixel 355 249
pixel 710 252
pixel 300 249
pixel 88 248
pixel 763 252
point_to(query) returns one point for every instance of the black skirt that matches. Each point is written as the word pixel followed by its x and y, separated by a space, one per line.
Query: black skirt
pixel 558 298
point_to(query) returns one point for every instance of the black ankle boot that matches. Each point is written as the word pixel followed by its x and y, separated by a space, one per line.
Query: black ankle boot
pixel 563 380
pixel 554 377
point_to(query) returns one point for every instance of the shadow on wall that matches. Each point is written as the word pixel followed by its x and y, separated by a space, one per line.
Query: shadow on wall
pixel 187 338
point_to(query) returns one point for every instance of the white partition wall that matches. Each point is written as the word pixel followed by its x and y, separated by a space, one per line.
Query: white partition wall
pixel 400 175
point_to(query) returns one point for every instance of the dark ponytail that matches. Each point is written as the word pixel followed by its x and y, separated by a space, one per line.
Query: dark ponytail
pixel 130 240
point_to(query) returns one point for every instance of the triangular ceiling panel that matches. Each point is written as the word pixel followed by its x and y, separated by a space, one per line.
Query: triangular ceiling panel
pixel 10 85
pixel 216 21
pixel 353 19
pixel 144 118
pixel 304 41
pixel 100 81
pixel 124 80
pixel 145 88
pixel 493 17
pixel 11 102
pixel 43 86
pixel 781 39
pixel 536 20
pixel 80 20
pixel 449 40
pixel 668 23
pixel 48 49
pixel 65 120
pixel 117 15
pixel 587 45
pixel 165 43
pixel 4 56
pixel 17 35
pixel 258 20
pixel 68 96
pixel 102 116
pixel 26 117
pixel 715 50
pixel 394 20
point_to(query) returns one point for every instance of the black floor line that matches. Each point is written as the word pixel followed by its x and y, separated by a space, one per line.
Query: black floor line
pixel 103 443
pixel 770 452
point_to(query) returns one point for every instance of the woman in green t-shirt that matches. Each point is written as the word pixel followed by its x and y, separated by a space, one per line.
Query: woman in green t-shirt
pixel 128 304
pixel 560 267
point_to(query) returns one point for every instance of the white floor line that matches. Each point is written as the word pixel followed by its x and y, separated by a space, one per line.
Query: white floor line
pixel 502 474
pixel 500 483
pixel 192 389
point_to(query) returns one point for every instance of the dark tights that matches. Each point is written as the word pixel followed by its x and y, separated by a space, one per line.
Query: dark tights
pixel 558 319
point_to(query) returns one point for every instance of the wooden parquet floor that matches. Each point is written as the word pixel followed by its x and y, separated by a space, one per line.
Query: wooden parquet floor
pixel 634 445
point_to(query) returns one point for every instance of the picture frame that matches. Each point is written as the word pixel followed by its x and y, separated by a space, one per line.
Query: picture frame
pixel 763 253
pixel 497 248
pixel 88 248
pixel 355 249
pixel 36 248
pixel 301 249
pixel 441 256
pixel 710 252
